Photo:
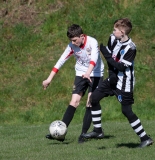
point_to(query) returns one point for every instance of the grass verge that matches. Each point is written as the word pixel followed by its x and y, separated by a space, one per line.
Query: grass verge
pixel 28 142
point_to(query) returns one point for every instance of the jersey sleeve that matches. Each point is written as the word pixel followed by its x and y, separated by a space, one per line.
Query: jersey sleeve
pixel 95 52
pixel 125 62
pixel 112 40
pixel 129 57
pixel 64 57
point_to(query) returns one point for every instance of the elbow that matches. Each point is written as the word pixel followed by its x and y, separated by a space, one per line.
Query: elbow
pixel 121 69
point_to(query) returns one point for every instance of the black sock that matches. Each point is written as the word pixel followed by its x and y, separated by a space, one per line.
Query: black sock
pixel 87 119
pixel 69 114
pixel 144 138
pixel 98 130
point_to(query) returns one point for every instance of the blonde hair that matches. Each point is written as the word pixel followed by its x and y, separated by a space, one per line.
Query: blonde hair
pixel 124 24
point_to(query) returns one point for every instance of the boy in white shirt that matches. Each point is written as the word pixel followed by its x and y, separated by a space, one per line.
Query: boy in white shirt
pixel 89 70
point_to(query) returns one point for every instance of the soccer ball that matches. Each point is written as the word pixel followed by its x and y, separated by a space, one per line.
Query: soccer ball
pixel 58 129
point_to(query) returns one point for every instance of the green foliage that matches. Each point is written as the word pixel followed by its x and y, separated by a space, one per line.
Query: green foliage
pixel 29 48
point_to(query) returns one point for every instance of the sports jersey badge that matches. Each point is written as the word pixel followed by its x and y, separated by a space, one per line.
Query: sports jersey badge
pixel 122 51
pixel 88 51
pixel 119 98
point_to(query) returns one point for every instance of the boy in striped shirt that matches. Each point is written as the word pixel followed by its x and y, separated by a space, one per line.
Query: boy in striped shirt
pixel 119 54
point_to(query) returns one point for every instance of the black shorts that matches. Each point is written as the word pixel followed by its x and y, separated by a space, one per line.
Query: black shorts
pixel 104 90
pixel 82 84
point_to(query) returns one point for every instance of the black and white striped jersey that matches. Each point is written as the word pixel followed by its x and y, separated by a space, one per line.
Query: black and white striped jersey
pixel 123 52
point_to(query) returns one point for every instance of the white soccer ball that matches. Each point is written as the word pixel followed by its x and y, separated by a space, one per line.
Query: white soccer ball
pixel 58 129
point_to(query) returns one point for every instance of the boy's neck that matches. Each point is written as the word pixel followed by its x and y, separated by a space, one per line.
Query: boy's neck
pixel 124 38
pixel 83 41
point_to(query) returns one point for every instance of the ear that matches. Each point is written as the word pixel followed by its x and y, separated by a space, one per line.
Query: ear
pixel 82 35
pixel 123 32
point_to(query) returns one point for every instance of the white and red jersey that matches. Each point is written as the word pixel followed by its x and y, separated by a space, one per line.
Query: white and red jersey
pixel 85 55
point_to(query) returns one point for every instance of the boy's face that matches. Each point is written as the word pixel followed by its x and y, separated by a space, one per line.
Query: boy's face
pixel 78 41
pixel 118 33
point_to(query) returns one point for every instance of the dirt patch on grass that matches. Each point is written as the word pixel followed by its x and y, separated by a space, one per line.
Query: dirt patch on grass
pixel 26 11
pixel 127 3
pixel 21 11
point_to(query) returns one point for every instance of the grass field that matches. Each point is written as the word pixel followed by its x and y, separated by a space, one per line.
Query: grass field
pixel 28 142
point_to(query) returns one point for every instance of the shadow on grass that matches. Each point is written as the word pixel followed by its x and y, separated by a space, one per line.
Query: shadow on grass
pixel 105 137
pixel 68 141
pixel 108 136
pixel 55 142
pixel 129 145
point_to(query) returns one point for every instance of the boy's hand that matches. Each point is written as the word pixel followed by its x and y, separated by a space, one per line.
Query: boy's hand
pixel 45 84
pixel 87 76
pixel 104 51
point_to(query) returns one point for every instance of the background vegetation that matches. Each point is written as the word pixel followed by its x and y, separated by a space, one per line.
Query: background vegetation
pixel 32 38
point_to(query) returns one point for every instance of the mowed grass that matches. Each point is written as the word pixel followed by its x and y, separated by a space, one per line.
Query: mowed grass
pixel 28 142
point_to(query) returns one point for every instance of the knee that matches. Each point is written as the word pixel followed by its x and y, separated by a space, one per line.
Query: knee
pixel 127 111
pixel 74 103
pixel 94 100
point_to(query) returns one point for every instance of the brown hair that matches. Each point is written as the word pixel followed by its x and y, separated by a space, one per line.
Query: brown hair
pixel 74 31
pixel 125 24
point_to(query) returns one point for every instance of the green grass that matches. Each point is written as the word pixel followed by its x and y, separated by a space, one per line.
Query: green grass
pixel 31 45
pixel 29 142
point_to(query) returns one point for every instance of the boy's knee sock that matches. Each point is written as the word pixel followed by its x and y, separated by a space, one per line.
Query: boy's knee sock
pixel 69 114
pixel 87 120
pixel 96 118
pixel 138 128
pixel 134 122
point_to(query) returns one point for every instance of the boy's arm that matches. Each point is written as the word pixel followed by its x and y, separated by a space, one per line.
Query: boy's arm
pixel 87 74
pixel 112 72
pixel 48 80
pixel 119 66
pixel 64 57
pixel 94 58
pixel 112 75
